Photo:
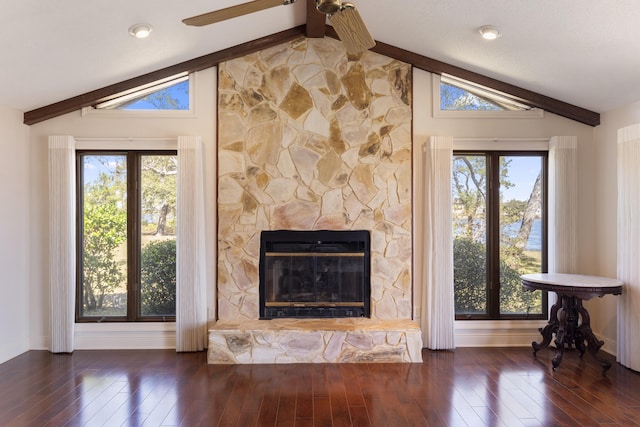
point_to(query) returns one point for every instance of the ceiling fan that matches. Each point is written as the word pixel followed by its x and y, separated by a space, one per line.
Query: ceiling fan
pixel 344 18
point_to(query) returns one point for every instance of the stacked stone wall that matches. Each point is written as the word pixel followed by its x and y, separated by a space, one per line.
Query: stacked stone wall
pixel 309 139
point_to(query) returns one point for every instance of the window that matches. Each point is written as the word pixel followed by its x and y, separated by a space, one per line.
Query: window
pixel 454 97
pixel 126 236
pixel 172 96
pixel 499 220
pixel 169 95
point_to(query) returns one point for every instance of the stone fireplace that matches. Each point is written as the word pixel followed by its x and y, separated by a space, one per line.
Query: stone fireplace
pixel 308 140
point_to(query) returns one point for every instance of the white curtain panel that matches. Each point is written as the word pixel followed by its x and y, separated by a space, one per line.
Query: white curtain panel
pixel 191 274
pixel 629 246
pixel 438 310
pixel 563 204
pixel 62 242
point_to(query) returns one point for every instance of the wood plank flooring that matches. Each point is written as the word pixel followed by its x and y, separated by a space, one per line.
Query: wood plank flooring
pixel 466 387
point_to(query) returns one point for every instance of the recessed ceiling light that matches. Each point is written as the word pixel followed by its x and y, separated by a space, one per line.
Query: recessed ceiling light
pixel 140 31
pixel 489 32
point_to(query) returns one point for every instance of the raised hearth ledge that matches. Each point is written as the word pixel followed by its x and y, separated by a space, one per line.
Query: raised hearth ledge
pixel 349 340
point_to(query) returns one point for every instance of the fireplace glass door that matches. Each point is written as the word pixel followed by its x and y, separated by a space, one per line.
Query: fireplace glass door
pixel 325 276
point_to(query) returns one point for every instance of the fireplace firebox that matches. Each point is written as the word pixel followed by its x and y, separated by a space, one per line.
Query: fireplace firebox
pixel 307 274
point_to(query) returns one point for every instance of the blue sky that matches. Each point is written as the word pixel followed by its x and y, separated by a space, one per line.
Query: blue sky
pixel 523 172
pixel 179 92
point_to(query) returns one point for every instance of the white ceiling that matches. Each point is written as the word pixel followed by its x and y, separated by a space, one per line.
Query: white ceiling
pixel 584 52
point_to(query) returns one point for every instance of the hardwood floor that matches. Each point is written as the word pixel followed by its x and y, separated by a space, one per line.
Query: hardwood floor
pixel 465 387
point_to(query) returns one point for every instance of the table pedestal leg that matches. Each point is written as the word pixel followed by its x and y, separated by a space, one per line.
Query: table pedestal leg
pixel 585 334
pixel 550 329
pixel 564 322
pixel 567 325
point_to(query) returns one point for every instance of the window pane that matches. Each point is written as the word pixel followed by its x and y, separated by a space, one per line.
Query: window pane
pixel 172 94
pixel 520 232
pixel 158 236
pixel 104 236
pixel 469 231
pixel 453 98
pixel 462 95
pixel 174 97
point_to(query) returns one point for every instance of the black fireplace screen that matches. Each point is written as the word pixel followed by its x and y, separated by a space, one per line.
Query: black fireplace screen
pixel 314 274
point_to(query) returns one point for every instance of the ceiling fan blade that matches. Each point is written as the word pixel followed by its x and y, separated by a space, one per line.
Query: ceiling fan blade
pixel 351 29
pixel 233 12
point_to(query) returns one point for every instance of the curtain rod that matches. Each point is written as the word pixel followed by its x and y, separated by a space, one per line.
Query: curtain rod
pixel 126 143
pixel 127 139
pixel 501 139
pixel 503 144
pixel 506 144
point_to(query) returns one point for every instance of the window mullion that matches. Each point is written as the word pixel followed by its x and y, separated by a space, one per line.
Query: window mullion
pixel 80 297
pixel 133 235
pixel 493 235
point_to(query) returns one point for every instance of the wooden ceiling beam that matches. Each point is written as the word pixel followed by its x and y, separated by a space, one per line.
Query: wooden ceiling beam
pixel 316 21
pixel 193 65
pixel 525 96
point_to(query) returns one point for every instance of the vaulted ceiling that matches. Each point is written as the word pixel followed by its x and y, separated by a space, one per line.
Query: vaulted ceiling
pixel 584 53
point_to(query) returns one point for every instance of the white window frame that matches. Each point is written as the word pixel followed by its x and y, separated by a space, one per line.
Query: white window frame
pixel 191 112
pixel 534 113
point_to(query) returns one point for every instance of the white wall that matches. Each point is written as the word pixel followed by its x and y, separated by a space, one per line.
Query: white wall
pixel 15 308
pixel 91 126
pixel 606 196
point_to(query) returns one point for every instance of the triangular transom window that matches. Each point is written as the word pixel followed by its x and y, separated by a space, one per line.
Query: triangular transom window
pixel 167 94
pixel 461 95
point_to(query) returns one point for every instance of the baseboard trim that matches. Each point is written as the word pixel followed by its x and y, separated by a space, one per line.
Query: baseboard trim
pixel 124 336
pixel 497 333
pixel 510 333
pixel 163 335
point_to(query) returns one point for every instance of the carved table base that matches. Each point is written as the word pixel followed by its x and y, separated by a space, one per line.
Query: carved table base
pixel 569 321
pixel 571 324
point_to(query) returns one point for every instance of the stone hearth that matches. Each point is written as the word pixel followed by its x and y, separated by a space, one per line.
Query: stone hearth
pixel 314 341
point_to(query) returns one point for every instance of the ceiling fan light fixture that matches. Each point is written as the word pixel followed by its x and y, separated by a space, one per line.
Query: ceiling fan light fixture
pixel 140 31
pixel 328 6
pixel 489 32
